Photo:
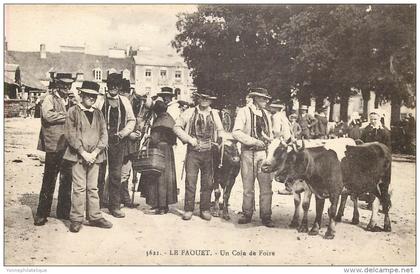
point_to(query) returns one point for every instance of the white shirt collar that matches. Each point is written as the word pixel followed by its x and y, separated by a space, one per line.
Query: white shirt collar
pixel 91 109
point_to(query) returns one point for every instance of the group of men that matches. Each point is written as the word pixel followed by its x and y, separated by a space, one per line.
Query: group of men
pixel 127 117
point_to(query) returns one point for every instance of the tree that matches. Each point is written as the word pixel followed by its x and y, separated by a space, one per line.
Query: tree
pixel 229 47
pixel 321 51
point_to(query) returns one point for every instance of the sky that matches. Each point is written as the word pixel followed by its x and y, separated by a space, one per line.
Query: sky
pixel 98 27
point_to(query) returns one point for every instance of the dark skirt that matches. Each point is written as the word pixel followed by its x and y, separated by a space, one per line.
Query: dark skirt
pixel 161 190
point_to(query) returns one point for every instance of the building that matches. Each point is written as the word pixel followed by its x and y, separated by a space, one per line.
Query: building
pixel 40 66
pixel 153 71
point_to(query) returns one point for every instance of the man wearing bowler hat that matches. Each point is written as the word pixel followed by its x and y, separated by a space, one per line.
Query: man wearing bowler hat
pixel 53 142
pixel 86 133
pixel 199 127
pixel 253 129
pixel 120 121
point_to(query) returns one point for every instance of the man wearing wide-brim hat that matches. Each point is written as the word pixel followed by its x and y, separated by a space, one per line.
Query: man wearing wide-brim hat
pixel 253 129
pixel 120 121
pixel 53 142
pixel 306 122
pixel 199 127
pixel 87 136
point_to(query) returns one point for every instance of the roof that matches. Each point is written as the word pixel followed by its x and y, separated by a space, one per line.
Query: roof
pixel 145 58
pixel 30 63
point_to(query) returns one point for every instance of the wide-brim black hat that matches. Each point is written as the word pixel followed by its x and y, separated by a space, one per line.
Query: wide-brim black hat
pixel 114 78
pixel 64 77
pixel 89 87
pixel 260 92
pixel 166 91
pixel 206 94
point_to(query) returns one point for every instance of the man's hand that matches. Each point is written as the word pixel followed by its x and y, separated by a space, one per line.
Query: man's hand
pixel 134 135
pixel 119 135
pixel 259 144
pixel 194 142
pixel 88 157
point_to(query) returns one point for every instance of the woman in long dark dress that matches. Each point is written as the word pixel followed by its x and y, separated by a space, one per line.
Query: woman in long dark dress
pixel 161 189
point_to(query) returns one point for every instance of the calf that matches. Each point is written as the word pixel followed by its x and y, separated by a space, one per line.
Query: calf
pixel 226 169
pixel 319 168
pixel 367 169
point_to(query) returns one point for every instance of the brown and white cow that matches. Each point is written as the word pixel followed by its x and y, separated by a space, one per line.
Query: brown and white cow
pixel 319 167
pixel 365 169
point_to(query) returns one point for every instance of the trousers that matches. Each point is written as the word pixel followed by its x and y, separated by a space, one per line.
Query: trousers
pixel 55 164
pixel 85 193
pixel 251 162
pixel 198 161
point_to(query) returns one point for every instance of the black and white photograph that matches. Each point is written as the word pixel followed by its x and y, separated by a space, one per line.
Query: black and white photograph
pixel 192 134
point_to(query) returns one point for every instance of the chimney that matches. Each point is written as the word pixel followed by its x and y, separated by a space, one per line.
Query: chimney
pixel 42 51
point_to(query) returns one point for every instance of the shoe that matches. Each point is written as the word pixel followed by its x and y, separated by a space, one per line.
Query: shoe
pixel 75 227
pixel 117 213
pixel 40 221
pixel 268 222
pixel 102 223
pixel 244 220
pixel 205 215
pixel 187 215
pixel 284 192
pixel 155 211
pixel 130 205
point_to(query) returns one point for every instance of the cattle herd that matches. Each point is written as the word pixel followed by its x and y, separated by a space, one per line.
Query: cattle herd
pixel 329 169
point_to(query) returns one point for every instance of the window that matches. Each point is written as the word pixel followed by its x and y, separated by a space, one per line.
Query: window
pixel 178 74
pixel 163 73
pixel 97 74
pixel 148 90
pixel 148 73
pixel 177 93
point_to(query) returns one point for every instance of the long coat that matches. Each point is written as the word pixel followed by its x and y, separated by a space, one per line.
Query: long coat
pixel 161 190
pixel 53 117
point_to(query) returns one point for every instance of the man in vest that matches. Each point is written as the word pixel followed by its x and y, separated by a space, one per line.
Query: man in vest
pixel 253 129
pixel 52 140
pixel 199 127
pixel 120 122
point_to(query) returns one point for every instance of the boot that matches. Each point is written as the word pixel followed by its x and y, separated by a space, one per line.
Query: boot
pixel 205 215
pixel 117 213
pixel 187 215
pixel 75 227
pixel 102 223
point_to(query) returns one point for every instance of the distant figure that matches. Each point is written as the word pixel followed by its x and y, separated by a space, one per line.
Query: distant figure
pixel 375 131
pixel 353 130
pixel 306 122
pixel 294 125
pixel 321 127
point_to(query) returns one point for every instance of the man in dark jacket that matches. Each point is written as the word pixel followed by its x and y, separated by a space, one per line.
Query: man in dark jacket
pixel 120 121
pixel 51 140
pixel 375 131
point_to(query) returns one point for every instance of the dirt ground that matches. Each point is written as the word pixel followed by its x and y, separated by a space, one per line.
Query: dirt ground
pixel 141 239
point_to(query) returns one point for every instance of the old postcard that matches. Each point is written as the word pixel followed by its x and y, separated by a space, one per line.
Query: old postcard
pixel 216 134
